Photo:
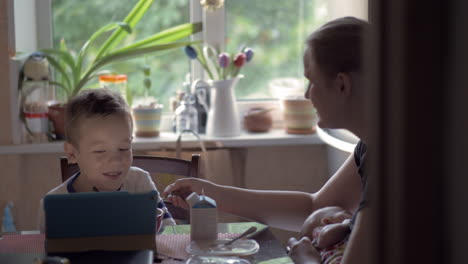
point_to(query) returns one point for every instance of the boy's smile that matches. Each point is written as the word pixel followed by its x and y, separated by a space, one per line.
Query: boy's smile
pixel 113 175
pixel 103 152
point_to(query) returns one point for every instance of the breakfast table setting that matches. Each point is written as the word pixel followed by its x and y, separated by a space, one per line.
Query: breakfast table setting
pixel 257 245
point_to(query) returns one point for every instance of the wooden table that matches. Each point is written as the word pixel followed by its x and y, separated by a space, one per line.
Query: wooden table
pixel 271 251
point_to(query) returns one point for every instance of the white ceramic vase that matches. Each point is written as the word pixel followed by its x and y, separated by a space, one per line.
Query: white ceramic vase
pixel 223 116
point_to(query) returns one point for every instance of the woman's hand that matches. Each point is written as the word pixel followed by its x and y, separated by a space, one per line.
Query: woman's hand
pixel 302 251
pixel 180 189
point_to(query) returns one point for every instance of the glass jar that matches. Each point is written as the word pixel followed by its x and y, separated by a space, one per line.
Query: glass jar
pixel 187 116
pixel 115 82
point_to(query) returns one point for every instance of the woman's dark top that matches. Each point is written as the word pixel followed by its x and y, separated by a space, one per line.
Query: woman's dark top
pixel 360 158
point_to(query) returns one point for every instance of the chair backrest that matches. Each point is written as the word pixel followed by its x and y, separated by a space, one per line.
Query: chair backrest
pixel 151 164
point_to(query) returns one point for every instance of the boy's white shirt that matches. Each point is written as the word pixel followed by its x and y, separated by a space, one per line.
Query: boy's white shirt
pixel 137 180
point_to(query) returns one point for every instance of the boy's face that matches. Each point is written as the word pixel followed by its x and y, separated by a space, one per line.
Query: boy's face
pixel 103 150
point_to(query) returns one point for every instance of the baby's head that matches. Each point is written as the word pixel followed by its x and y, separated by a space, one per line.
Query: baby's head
pixel 99 134
pixel 322 217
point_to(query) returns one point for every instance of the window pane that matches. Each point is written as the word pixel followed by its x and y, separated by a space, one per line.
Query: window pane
pixel 75 21
pixel 276 30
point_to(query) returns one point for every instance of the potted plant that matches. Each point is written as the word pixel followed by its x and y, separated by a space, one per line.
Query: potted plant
pixel 147 111
pixel 75 70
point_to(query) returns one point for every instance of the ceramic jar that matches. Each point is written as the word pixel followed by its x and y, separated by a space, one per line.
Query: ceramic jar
pixel 147 120
pixel 299 116
pixel 258 119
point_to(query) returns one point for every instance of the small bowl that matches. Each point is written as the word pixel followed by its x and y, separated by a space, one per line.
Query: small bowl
pixel 258 119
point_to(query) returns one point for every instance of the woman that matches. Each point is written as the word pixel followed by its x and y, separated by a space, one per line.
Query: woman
pixel 332 64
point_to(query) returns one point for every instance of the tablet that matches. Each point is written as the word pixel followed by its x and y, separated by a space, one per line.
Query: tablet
pixel 121 216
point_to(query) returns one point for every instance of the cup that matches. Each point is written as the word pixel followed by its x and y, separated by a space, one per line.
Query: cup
pixel 147 120
pixel 299 116
pixel 159 220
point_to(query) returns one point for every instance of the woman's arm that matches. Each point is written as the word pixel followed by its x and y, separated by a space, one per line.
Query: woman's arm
pixel 343 189
pixel 358 244
pixel 282 209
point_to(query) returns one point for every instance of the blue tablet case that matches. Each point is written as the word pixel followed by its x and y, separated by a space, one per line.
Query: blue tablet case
pixel 100 221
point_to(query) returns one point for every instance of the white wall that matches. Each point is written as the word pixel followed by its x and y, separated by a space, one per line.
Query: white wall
pixel 340 8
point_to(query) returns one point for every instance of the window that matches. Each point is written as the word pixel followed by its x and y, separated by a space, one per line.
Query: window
pixel 275 30
pixel 74 21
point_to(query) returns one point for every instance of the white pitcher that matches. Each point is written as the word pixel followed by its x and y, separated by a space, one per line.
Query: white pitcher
pixel 223 117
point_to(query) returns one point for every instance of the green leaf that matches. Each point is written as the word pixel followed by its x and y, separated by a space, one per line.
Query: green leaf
pixel 125 27
pixel 93 37
pixel 146 70
pixel 202 61
pixel 60 85
pixel 81 84
pixel 64 59
pixel 62 71
pixel 129 54
pixel 63 47
pixel 168 35
pixel 126 55
pixel 62 55
pixel 132 19
pixel 147 83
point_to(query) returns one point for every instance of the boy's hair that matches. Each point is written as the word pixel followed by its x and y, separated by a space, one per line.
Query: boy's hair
pixel 92 103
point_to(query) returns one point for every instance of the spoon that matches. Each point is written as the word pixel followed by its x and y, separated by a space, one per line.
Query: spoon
pixel 246 232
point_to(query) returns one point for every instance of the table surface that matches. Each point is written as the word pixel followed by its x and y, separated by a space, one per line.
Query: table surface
pixel 271 251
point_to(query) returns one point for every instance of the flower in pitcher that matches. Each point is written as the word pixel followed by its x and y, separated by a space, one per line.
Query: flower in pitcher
pixel 191 52
pixel 239 60
pixel 219 66
pixel 223 60
pixel 249 53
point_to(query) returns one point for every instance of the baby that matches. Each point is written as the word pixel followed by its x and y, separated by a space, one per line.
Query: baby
pixel 328 229
pixel 99 135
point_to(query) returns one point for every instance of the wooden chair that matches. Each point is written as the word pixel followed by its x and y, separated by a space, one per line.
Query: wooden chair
pixel 153 164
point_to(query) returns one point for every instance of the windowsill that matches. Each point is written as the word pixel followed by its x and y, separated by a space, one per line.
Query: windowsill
pixel 276 137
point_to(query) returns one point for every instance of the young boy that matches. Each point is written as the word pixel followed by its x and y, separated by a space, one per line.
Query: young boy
pixel 99 134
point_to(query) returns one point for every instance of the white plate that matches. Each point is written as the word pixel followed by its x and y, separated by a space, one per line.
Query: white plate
pixel 241 247
pixel 216 260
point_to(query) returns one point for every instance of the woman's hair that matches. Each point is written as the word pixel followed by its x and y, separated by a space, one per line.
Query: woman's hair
pixel 337 45
pixel 89 104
